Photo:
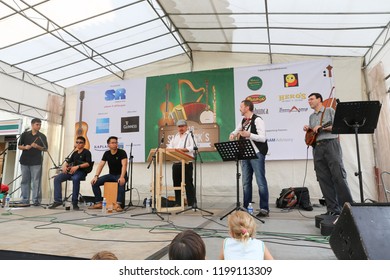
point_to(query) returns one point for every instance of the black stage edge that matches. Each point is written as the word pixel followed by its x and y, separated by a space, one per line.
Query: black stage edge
pixel 15 255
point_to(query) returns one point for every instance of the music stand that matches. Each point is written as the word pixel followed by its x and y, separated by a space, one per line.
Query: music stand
pixel 356 117
pixel 236 150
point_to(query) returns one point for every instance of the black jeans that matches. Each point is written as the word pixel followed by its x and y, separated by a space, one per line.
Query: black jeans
pixel 176 175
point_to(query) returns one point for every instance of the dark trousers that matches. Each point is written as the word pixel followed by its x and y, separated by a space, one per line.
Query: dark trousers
pixel 176 175
pixel 331 175
pixel 109 178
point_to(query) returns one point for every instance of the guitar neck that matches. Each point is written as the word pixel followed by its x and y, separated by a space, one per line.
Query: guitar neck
pixel 81 112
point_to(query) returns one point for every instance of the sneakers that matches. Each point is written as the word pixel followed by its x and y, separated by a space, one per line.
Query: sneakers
pixel 117 207
pixel 55 205
pixel 263 213
pixel 37 204
pixel 96 206
pixel 76 207
pixel 330 213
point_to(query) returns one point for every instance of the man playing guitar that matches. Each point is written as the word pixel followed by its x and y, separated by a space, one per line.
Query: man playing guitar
pixel 327 155
pixel 76 169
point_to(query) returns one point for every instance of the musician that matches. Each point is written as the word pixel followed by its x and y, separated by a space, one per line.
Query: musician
pixel 327 155
pixel 74 168
pixel 183 142
pixel 32 143
pixel 252 127
pixel 117 166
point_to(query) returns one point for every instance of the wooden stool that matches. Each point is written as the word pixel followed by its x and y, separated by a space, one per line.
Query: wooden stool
pixel 110 193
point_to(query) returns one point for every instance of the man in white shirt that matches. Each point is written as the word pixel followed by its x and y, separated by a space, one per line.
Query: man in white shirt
pixel 252 127
pixel 183 142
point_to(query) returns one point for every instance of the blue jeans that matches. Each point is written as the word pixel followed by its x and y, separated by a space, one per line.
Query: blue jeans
pixel 258 167
pixel 31 179
pixel 62 177
pixel 108 178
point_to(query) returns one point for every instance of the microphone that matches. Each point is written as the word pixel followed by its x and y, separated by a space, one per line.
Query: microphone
pixel 337 100
pixel 162 138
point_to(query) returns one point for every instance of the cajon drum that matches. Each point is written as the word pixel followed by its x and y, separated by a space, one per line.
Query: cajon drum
pixel 110 193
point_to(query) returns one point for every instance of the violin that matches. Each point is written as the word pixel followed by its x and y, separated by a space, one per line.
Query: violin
pixel 166 108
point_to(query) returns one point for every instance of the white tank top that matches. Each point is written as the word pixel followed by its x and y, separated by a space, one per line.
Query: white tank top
pixel 234 249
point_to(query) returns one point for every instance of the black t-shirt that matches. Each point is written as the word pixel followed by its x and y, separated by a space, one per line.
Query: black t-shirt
pixel 32 156
pixel 80 158
pixel 114 161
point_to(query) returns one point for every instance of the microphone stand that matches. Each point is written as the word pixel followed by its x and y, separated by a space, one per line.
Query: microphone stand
pixel 154 210
pixel 130 171
pixel 47 150
pixel 194 205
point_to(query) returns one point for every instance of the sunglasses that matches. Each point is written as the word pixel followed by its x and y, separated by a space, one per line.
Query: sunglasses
pixel 79 142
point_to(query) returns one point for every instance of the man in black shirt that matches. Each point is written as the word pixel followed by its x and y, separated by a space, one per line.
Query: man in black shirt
pixel 32 143
pixel 76 169
pixel 117 165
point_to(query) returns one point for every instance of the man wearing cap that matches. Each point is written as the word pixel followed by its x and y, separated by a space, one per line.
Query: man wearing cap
pixel 183 142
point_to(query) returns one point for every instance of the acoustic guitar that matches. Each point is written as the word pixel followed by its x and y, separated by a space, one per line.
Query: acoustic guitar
pixel 311 136
pixel 80 126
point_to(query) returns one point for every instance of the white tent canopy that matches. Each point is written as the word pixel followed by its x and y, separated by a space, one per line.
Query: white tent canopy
pixel 69 42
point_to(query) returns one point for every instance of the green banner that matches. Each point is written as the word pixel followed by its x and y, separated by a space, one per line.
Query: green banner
pixel 205 99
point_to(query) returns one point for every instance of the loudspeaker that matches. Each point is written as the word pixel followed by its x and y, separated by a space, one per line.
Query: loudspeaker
pixel 362 232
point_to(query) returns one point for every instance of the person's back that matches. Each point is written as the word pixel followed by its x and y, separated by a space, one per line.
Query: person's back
pixel 251 249
pixel 242 245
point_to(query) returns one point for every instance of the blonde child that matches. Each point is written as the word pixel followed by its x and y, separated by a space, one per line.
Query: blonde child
pixel 242 245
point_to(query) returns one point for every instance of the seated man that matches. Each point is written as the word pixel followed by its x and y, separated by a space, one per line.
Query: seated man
pixel 117 165
pixel 74 168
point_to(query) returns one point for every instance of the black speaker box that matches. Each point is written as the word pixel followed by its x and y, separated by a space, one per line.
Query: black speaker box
pixel 362 232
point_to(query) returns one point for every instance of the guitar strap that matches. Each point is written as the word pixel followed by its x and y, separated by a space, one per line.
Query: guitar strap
pixel 322 116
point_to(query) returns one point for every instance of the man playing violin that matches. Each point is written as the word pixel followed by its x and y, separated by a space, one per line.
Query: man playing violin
pixel 75 169
pixel 327 155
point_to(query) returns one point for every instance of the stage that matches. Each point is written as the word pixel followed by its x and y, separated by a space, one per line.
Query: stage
pixel 80 234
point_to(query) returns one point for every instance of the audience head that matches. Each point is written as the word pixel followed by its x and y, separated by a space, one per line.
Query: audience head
pixel 187 245
pixel 242 226
pixel 104 255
